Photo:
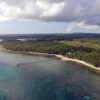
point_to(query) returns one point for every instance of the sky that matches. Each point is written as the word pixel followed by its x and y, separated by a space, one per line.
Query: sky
pixel 49 16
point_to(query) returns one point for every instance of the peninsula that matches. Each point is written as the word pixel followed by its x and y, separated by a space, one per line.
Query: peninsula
pixel 82 51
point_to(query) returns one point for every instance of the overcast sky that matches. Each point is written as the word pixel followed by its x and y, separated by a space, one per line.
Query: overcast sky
pixel 49 16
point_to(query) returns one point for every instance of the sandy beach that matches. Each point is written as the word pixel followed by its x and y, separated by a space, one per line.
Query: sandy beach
pixel 85 64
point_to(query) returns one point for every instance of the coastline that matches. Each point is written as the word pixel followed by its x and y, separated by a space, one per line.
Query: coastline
pixel 84 63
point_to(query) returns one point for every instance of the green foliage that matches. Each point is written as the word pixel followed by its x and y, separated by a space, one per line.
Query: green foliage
pixel 83 49
pixel 43 47
pixel 92 57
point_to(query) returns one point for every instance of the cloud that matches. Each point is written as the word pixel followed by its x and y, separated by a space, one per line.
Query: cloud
pixel 71 11
pixel 69 29
pixel 81 25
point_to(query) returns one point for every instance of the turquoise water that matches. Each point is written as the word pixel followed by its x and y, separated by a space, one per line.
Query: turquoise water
pixel 42 78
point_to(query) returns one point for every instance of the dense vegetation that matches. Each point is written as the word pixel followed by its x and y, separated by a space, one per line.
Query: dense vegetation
pixel 87 50
pixel 44 47
pixel 83 49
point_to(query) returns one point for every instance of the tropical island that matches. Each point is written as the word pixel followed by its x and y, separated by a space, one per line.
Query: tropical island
pixel 84 50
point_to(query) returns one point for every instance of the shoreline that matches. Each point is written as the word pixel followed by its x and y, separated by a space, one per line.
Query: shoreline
pixel 64 58
pixel 84 63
